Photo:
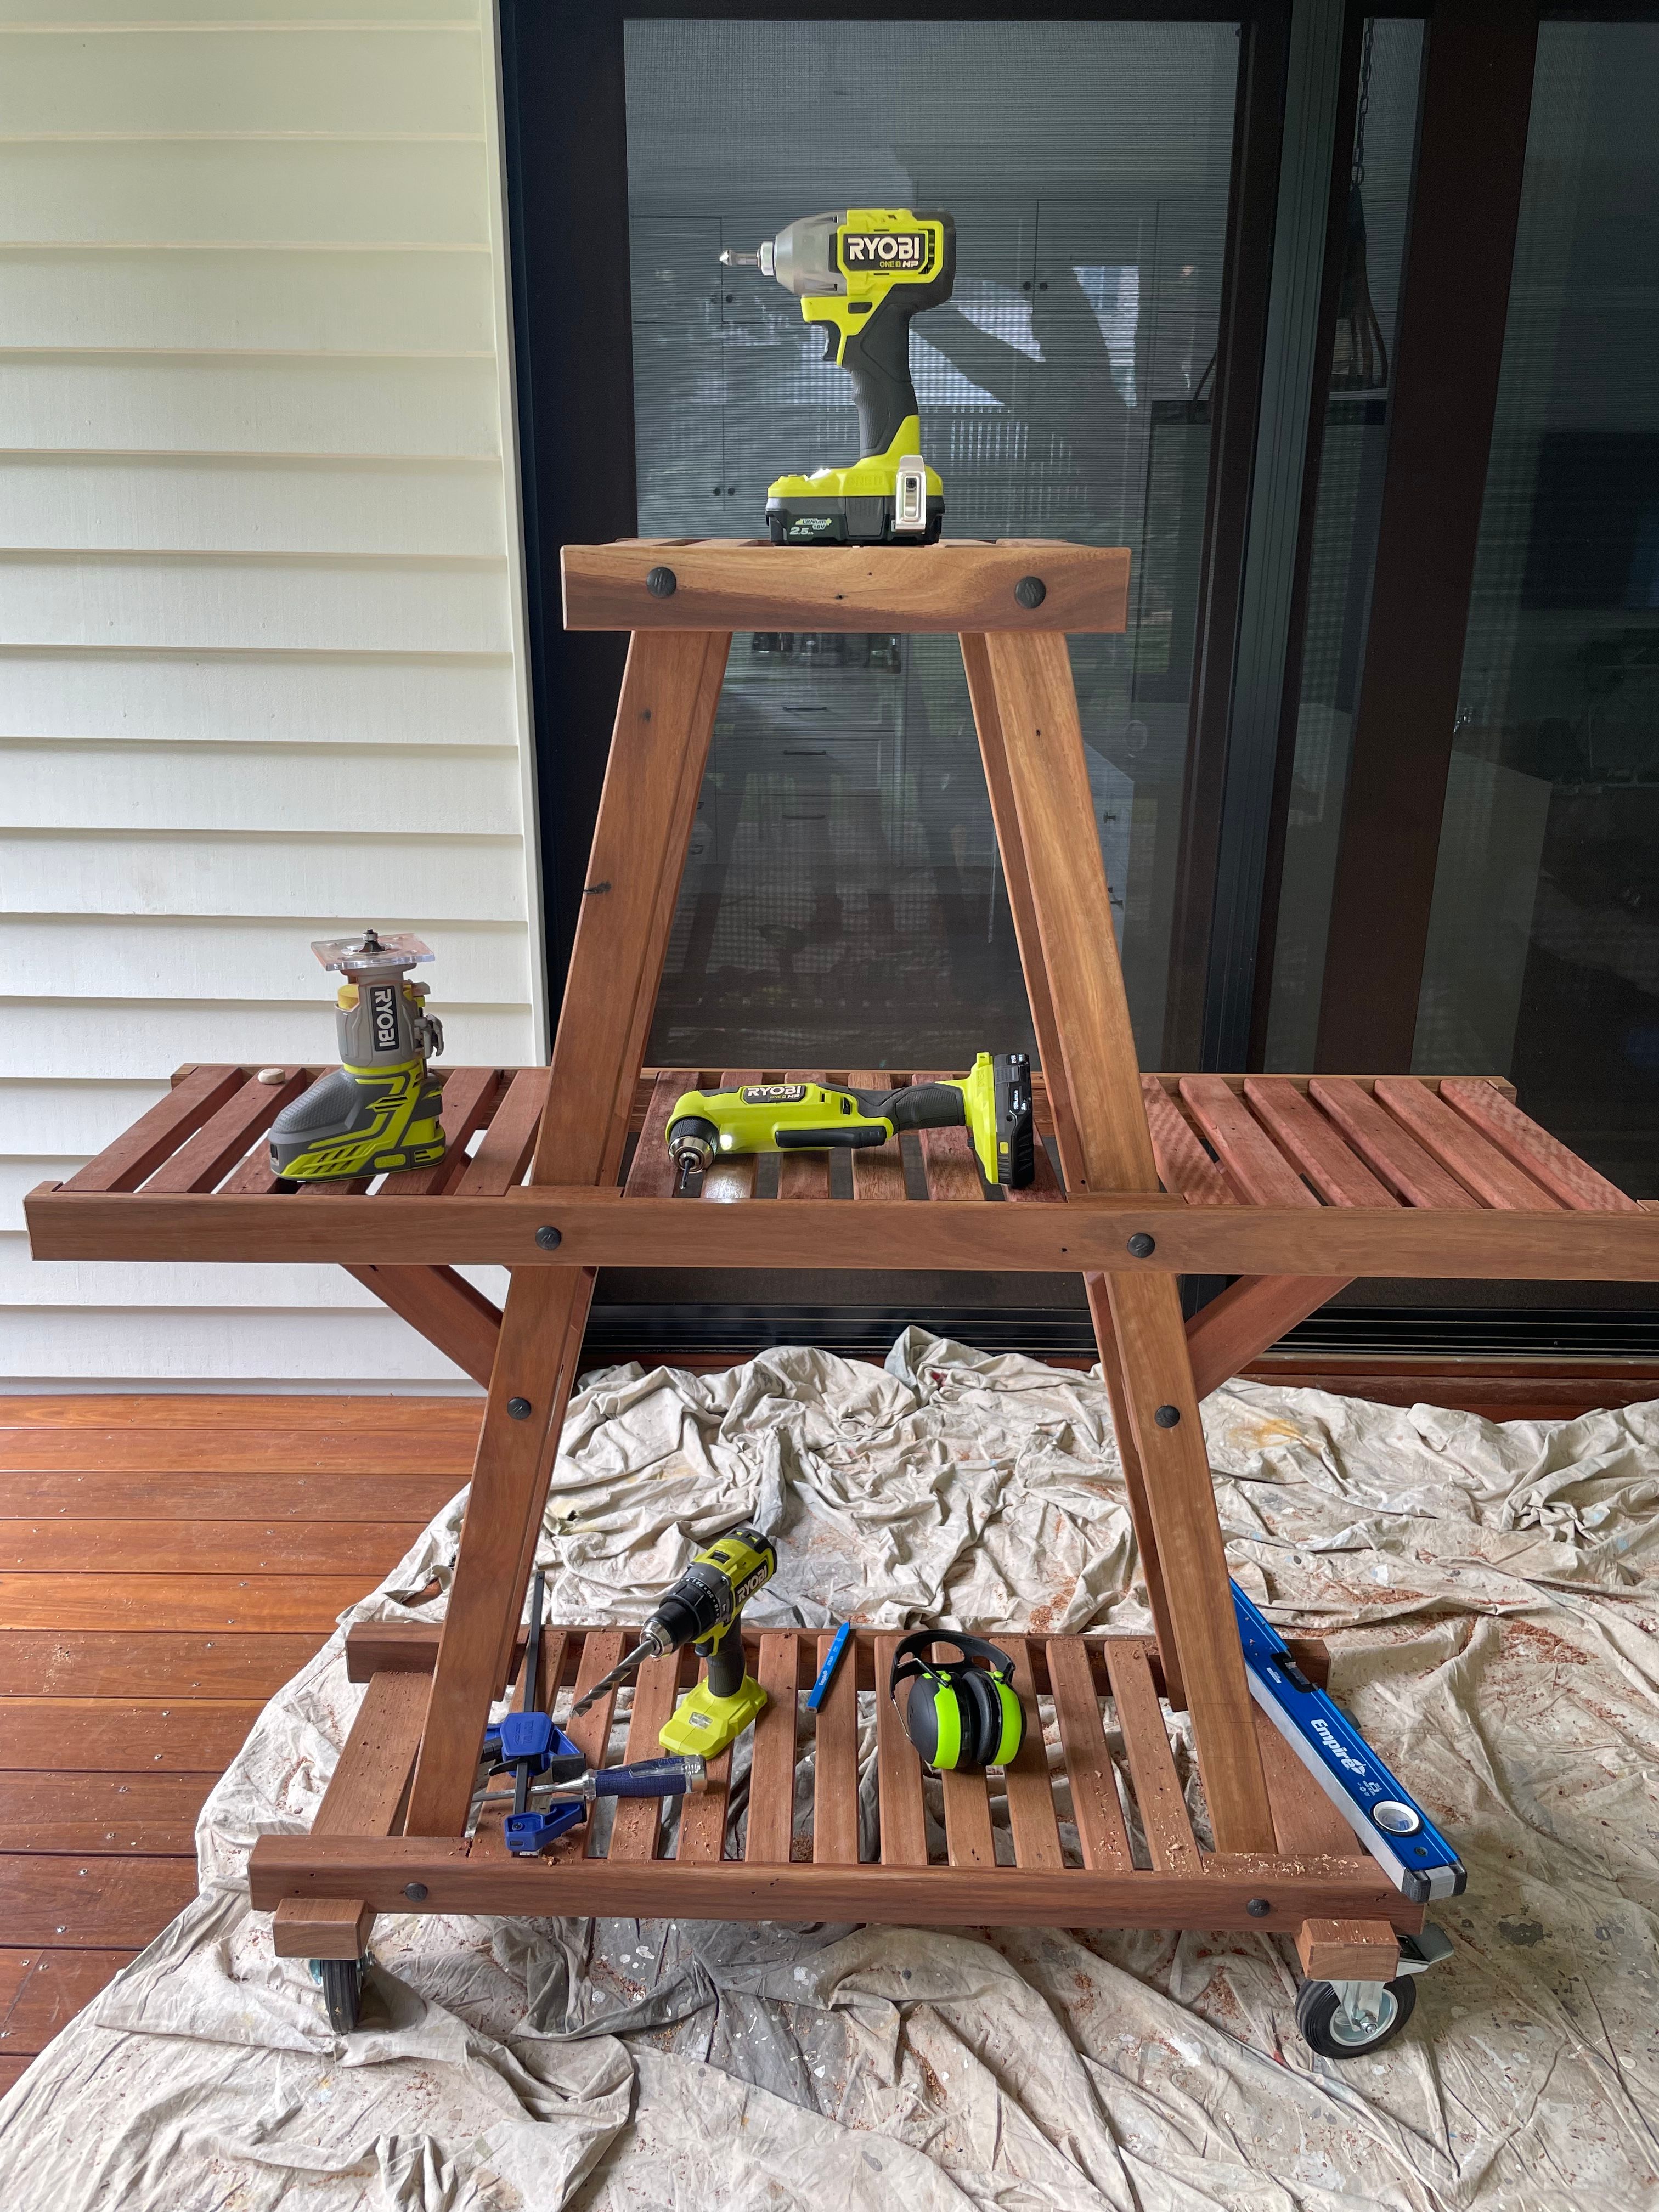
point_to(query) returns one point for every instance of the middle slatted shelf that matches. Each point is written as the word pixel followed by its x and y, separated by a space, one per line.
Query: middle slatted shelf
pixel 1098 1783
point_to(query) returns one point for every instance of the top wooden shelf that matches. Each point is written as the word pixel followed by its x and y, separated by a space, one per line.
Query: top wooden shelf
pixel 730 584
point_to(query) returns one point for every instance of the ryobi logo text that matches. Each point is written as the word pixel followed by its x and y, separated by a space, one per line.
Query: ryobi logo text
pixel 383 1015
pixel 911 251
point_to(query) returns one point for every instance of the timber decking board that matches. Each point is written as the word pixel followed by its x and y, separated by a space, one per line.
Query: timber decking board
pixel 123 1694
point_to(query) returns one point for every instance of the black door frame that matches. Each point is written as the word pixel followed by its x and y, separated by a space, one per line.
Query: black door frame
pixel 567 234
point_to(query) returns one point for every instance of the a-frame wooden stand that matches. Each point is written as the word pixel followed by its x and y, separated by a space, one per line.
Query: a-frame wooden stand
pixel 1293 1185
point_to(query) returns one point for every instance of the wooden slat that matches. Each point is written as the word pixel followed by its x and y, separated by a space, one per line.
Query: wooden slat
pixel 91 1904
pixel 665 716
pixel 598 1229
pixel 836 1763
pixel 804 1175
pixel 283 1604
pixel 136 1736
pixel 1184 1168
pixel 1031 1791
pixel 899 1775
pixel 55 1663
pixel 968 1833
pixel 913 1896
pixel 1152 1767
pixel 702 1814
pixel 139 1150
pixel 238 1547
pixel 231 1447
pixel 504 1154
pixel 727 1181
pixel 948 1158
pixel 469 1097
pixel 119 1411
pixel 223 1141
pixel 1544 1158
pixel 332 1498
pixel 1251 1158
pixel 152 1815
pixel 1339 1176
pixel 726 585
pixel 1094 1807
pixel 41 1991
pixel 879 1172
pixel 1460 1147
pixel 1305 1821
pixel 367 1785
pixel 590 1731
pixel 652 1173
pixel 1384 1145
pixel 637 1823
pixel 771 1832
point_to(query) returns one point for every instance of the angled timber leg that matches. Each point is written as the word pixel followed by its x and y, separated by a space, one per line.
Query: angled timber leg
pixel 1037 735
pixel 975 659
pixel 647 810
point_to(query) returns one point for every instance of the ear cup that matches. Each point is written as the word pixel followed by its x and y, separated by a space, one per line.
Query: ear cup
pixel 981 1716
pixel 932 1721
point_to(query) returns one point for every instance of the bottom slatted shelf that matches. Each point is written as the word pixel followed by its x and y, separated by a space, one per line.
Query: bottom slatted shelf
pixel 1091 1825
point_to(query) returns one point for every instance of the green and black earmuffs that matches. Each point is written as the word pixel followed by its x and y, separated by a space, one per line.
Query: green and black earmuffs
pixel 959 1716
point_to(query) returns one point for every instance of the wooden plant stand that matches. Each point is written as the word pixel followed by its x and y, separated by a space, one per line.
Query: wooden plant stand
pixel 1294 1185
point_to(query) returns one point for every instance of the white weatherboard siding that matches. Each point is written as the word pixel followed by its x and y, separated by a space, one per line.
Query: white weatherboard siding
pixel 261 638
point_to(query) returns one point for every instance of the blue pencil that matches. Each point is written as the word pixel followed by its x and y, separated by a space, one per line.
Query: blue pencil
pixel 816 1694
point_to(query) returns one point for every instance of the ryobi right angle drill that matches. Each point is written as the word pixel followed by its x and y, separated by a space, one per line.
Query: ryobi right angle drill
pixel 862 274
pixel 993 1103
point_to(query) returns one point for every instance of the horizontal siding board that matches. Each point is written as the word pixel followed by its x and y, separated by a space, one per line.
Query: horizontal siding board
pixel 482 878
pixel 209 503
pixel 266 404
pixel 257 620
pixel 243 192
pixel 287 787
pixel 127 1037
pixel 183 1285
pixel 216 698
pixel 75 1119
pixel 267 76
pixel 296 299
pixel 169 957
pixel 179 1347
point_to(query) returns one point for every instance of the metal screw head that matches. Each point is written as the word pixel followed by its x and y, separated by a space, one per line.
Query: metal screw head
pixel 1142 1246
pixel 1030 591
pixel 518 1409
pixel 662 583
pixel 415 1892
pixel 1258 1908
pixel 549 1238
pixel 1168 1417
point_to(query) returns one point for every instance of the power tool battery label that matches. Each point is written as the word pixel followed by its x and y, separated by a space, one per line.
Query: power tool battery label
pixel 910 250
pixel 383 1016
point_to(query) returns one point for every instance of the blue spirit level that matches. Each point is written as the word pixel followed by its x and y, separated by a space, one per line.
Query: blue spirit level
pixel 1395 1831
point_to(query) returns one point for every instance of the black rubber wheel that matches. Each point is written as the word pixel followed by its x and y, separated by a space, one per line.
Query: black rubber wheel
pixel 343 1988
pixel 1318 2015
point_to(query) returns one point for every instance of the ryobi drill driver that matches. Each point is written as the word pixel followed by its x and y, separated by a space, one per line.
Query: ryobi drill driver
pixel 862 274
pixel 378 1111
pixel 993 1103
pixel 704 1608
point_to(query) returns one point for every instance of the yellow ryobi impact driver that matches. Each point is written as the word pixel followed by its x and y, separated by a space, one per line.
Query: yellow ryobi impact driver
pixel 862 274
pixel 993 1103
pixel 378 1111
pixel 704 1608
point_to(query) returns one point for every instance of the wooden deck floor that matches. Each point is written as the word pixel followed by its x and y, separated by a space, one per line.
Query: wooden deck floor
pixel 165 1564
pixel 168 1563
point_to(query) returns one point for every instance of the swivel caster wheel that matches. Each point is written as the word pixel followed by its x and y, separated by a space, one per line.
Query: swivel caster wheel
pixel 1348 2020
pixel 341 1984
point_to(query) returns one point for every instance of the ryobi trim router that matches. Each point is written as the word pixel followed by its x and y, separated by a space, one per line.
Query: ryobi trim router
pixel 993 1103
pixel 862 274
pixel 378 1111
pixel 1395 1830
